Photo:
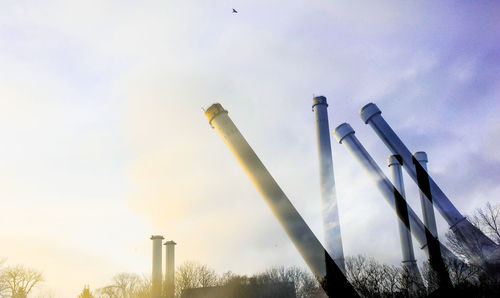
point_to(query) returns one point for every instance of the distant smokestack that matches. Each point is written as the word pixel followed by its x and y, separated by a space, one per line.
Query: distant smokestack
pixel 427 206
pixel 330 213
pixel 485 251
pixel 408 256
pixel 156 276
pixel 169 269
pixel 319 261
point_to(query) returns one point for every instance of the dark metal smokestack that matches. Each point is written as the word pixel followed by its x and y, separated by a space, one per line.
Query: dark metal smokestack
pixel 156 276
pixel 330 213
pixel 319 261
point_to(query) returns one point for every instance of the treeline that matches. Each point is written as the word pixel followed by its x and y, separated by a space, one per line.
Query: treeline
pixel 373 279
pixel 369 277
pixel 195 275
pixel 18 281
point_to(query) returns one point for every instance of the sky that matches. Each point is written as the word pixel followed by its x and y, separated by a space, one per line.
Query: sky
pixel 104 140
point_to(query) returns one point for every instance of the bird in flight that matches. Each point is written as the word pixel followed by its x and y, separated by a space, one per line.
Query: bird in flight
pixel 234 11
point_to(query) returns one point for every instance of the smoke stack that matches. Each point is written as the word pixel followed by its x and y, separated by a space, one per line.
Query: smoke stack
pixel 485 252
pixel 156 274
pixel 319 261
pixel 427 206
pixel 345 135
pixel 331 223
pixel 408 256
pixel 169 269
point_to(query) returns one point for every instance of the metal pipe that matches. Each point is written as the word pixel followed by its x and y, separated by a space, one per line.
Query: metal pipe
pixel 483 250
pixel 156 276
pixel 169 269
pixel 345 135
pixel 319 261
pixel 427 206
pixel 330 213
pixel 408 256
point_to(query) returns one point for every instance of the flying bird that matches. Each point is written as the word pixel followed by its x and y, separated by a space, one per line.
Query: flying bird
pixel 234 11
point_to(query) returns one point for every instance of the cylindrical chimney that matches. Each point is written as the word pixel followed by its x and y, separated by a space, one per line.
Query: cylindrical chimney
pixel 156 276
pixel 427 206
pixel 319 261
pixel 484 250
pixel 169 269
pixel 330 213
pixel 408 256
pixel 345 135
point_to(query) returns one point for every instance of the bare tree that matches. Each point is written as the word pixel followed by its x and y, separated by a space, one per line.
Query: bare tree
pixel 373 279
pixel 3 288
pixel 360 273
pixel 3 284
pixel 18 281
pixel 86 293
pixel 143 290
pixel 107 292
pixel 462 273
pixel 392 281
pixel 486 219
pixel 126 285
pixel 227 278
pixel 185 276
pixel 305 284
pixel 457 244
pixel 206 276
pixel 489 220
pixel 194 275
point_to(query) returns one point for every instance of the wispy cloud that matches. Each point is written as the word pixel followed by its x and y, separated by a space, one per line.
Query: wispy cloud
pixel 105 141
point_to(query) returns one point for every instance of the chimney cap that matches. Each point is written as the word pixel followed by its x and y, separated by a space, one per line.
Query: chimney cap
pixel 213 111
pixel 420 156
pixel 368 111
pixel 319 100
pixel 395 159
pixel 342 131
pixel 169 242
pixel 155 237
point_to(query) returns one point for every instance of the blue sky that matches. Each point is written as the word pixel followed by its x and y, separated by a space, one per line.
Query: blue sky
pixel 105 141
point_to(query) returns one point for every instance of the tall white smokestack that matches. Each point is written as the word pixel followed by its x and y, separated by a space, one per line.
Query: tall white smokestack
pixel 330 213
pixel 408 256
pixel 156 276
pixel 326 271
pixel 485 252
pixel 169 269
pixel 345 136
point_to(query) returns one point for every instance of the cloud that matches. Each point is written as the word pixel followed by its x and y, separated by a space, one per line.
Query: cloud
pixel 101 104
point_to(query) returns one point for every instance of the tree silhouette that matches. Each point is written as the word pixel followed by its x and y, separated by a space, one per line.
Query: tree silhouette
pixel 305 284
pixel 86 293
pixel 18 281
pixel 194 275
pixel 486 219
pixel 126 285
